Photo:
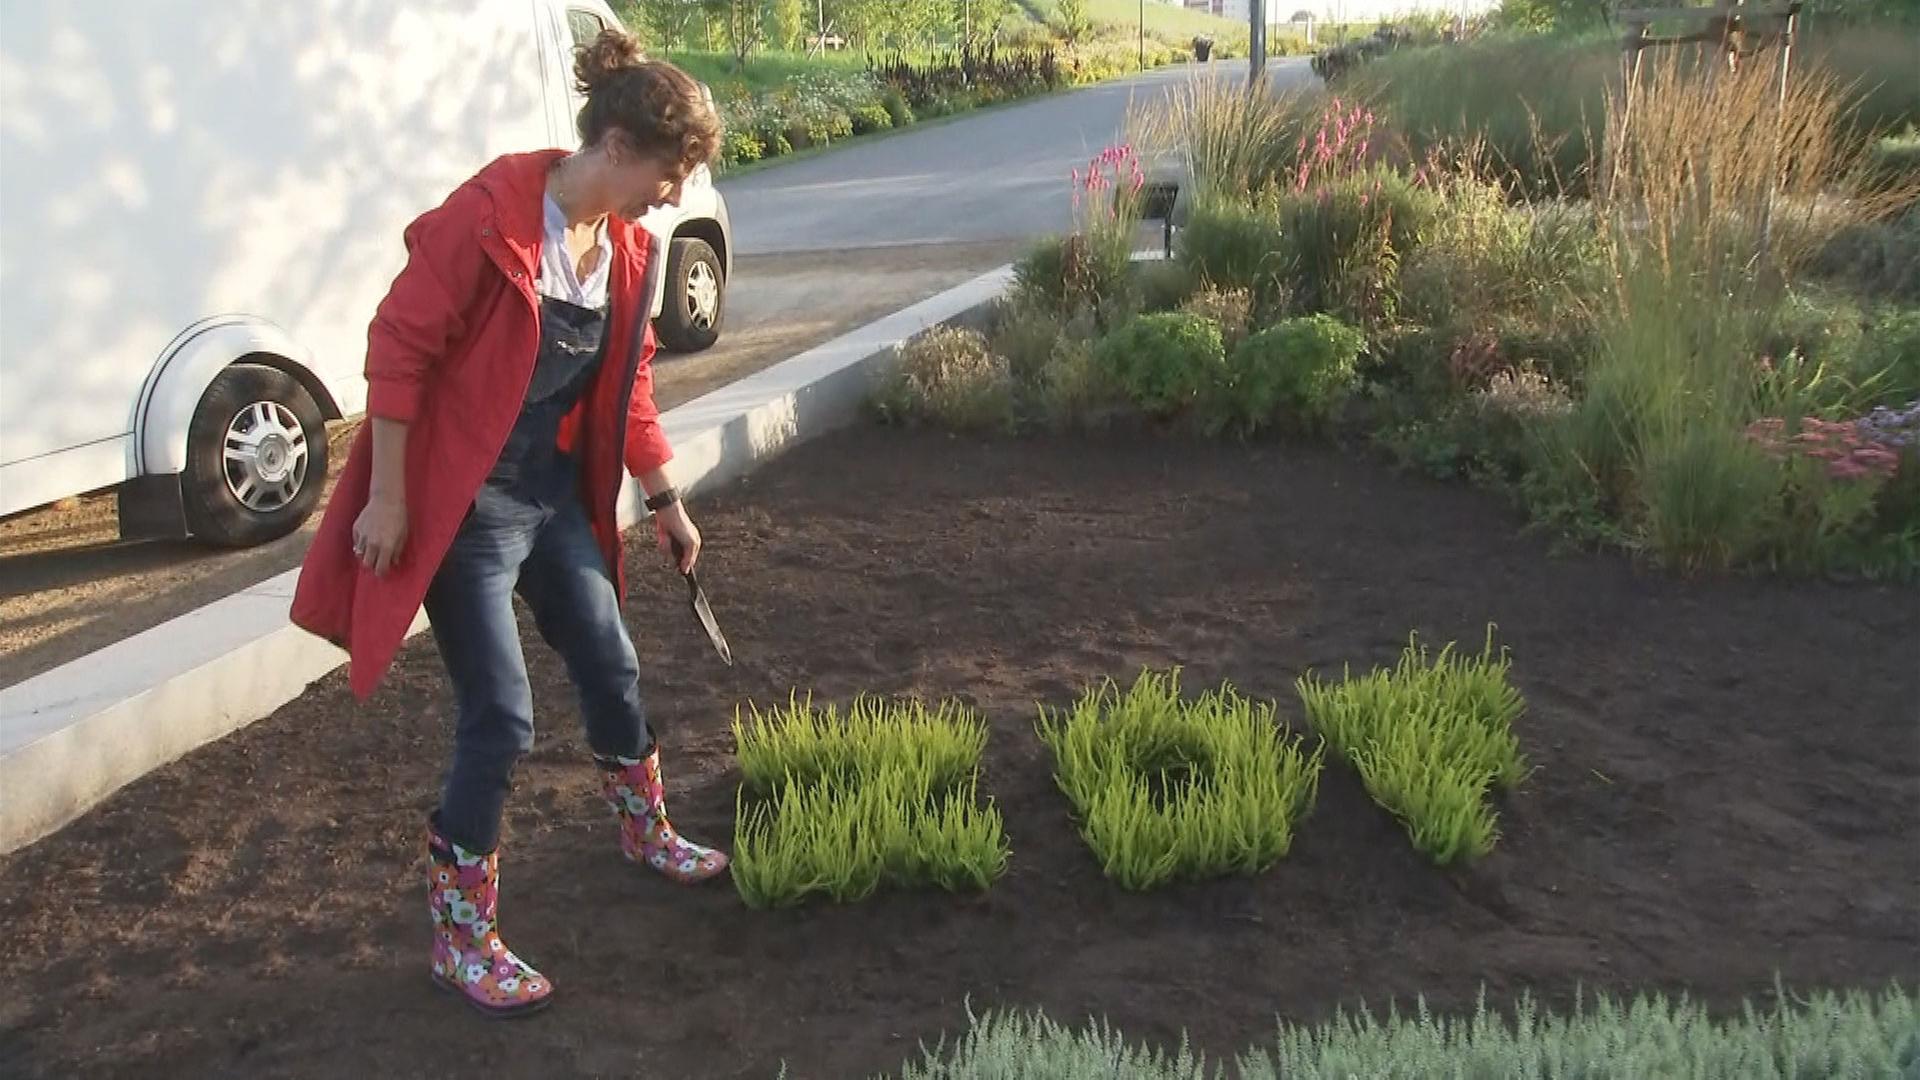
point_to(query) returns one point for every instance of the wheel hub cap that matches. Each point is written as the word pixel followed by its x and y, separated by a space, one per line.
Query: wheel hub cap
pixel 266 456
pixel 703 294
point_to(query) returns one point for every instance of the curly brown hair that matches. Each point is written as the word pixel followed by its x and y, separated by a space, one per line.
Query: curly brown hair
pixel 658 109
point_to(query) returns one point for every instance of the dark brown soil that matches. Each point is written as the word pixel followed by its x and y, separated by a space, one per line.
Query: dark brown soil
pixel 1729 790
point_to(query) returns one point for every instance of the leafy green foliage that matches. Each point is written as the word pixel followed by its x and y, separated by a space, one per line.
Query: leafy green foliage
pixel 1168 790
pixel 1300 370
pixel 1166 362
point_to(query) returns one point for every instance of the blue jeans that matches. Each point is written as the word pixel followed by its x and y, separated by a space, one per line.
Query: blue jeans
pixel 544 550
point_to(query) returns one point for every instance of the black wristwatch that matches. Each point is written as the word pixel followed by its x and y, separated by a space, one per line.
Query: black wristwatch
pixel 666 498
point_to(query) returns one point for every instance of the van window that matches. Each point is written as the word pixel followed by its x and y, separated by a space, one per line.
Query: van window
pixel 586 26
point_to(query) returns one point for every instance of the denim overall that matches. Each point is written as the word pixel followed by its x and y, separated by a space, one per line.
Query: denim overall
pixel 528 533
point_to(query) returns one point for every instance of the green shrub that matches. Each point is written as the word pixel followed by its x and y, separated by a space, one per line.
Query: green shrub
pixel 1493 434
pixel 1163 285
pixel 1069 274
pixel 1705 495
pixel 838 125
pixel 740 147
pixel 1166 790
pixel 1877 259
pixel 1232 309
pixel 1537 105
pixel 897 108
pixel 1301 370
pixel 947 377
pixel 1344 241
pixel 1876 61
pixel 870 117
pixel 1824 355
pixel 1430 739
pixel 1233 246
pixel 1889 358
pixel 1821 1034
pixel 1895 159
pixel 1166 362
pixel 1025 336
pixel 1487 261
pixel 1076 391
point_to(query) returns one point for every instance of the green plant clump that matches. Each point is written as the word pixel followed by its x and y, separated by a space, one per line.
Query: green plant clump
pixel 1166 362
pixel 1300 371
pixel 1823 1034
pixel 884 796
pixel 1430 739
pixel 1169 790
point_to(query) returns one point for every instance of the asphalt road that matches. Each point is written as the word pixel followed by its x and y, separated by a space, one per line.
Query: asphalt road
pixel 1003 173
pixel 823 245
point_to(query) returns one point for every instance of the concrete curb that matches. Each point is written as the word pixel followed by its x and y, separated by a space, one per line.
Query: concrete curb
pixel 74 735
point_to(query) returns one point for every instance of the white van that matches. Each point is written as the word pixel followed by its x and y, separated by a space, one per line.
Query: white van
pixel 201 204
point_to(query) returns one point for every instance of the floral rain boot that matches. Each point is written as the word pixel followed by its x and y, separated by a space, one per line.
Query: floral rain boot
pixel 633 789
pixel 468 956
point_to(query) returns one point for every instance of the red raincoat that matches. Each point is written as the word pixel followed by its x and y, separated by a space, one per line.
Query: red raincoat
pixel 451 351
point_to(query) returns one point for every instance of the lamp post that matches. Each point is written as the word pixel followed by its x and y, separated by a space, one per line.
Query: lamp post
pixel 1257 51
pixel 1143 35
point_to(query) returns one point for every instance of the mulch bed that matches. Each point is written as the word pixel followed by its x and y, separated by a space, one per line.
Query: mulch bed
pixel 1728 792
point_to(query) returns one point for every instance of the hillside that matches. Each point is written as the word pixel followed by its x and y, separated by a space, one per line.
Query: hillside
pixel 1163 20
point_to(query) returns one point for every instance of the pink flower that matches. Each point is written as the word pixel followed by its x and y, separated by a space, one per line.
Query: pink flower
pixel 1846 470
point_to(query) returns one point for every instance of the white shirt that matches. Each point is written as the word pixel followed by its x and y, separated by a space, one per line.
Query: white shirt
pixel 557 277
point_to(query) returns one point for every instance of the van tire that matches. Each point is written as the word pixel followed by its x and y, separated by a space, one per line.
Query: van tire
pixel 275 480
pixel 696 297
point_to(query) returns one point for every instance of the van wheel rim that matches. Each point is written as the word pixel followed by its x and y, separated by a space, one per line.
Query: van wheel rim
pixel 703 294
pixel 265 456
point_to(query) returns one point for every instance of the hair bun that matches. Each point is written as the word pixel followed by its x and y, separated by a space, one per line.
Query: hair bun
pixel 610 54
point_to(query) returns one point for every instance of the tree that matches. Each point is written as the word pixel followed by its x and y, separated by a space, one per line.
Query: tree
pixel 857 20
pixel 1071 21
pixel 742 22
pixel 787 23
pixel 978 20
pixel 663 24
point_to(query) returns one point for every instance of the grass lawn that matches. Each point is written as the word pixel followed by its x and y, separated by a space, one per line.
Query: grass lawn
pixel 767 70
pixel 1164 19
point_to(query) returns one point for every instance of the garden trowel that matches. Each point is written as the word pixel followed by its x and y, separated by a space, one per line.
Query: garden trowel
pixel 703 612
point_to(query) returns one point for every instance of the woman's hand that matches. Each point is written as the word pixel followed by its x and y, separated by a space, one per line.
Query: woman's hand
pixel 380 534
pixel 678 537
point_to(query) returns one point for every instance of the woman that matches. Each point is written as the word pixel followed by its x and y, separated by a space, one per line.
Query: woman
pixel 509 379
